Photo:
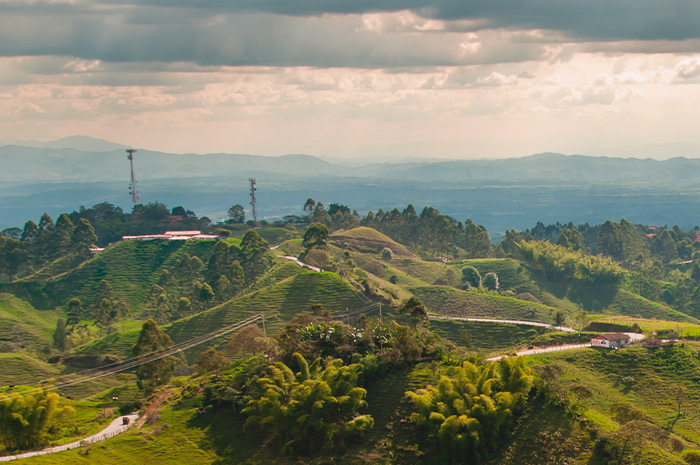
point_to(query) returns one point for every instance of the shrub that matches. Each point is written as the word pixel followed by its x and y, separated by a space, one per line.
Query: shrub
pixel 387 254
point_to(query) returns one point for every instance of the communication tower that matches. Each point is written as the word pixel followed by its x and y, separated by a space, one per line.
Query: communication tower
pixel 253 200
pixel 132 187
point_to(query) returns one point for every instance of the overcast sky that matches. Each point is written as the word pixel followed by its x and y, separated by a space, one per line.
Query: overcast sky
pixel 356 78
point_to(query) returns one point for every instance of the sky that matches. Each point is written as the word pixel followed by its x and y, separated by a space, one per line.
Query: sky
pixel 356 78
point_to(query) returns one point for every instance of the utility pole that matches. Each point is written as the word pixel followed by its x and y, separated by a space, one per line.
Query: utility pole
pixel 132 186
pixel 263 319
pixel 253 200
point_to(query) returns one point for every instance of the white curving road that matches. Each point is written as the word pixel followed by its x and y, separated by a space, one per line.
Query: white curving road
pixel 565 329
pixel 300 263
pixel 114 428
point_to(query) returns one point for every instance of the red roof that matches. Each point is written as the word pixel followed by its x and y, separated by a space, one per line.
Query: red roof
pixel 614 336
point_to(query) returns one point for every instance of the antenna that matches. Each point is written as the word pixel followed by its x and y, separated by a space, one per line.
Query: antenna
pixel 132 187
pixel 253 200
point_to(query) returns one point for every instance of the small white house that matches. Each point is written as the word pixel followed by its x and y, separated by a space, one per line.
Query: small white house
pixel 611 340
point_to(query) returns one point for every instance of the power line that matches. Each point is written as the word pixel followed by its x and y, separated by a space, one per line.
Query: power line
pixel 134 362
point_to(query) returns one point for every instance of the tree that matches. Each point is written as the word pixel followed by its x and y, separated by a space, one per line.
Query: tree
pixel 30 242
pixel 83 237
pixel 311 410
pixel 44 235
pixel 236 214
pixel 471 276
pixel 254 250
pixel 610 240
pixel 559 318
pixel 310 205
pixel 184 307
pixel 415 309
pixel 121 311
pixel 62 235
pixel 664 247
pixel 26 418
pixel 491 281
pixel 679 394
pixel 152 339
pixel 59 335
pixel 75 312
pixel 203 293
pixel 387 254
pixel 316 236
pixel 105 316
pixel 12 256
pixel 211 360
pixel 247 340
pixel 104 291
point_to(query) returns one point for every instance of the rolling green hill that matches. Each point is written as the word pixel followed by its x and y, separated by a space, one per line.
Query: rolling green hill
pixel 280 302
pixel 368 240
pixel 22 326
pixel 445 300
pixel 130 267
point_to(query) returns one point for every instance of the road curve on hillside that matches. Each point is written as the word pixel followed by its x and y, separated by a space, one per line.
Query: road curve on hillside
pixel 300 263
pixel 565 329
pixel 542 350
pixel 116 427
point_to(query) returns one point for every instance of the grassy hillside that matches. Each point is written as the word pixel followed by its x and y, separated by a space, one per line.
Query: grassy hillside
pixel 22 326
pixel 640 377
pixel 130 267
pixel 20 368
pixel 444 300
pixel 368 240
pixel 280 302
pixel 510 273
pixel 486 336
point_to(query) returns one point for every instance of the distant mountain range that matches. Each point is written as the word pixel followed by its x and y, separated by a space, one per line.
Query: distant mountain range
pixel 61 175
pixel 97 160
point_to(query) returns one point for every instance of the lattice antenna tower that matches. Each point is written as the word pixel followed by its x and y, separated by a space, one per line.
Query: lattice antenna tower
pixel 253 200
pixel 132 187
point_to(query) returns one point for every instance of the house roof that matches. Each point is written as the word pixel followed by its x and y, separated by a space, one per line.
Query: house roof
pixel 614 336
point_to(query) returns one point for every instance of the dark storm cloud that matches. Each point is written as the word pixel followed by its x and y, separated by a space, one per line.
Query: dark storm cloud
pixel 582 19
pixel 171 35
pixel 293 33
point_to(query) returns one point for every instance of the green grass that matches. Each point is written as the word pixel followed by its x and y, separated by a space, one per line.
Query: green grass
pixel 485 335
pixel 444 300
pixel 280 272
pixel 510 273
pixel 426 272
pixel 21 325
pixel 291 247
pixel 280 302
pixel 648 325
pixel 369 241
pixel 272 235
pixel 546 435
pixel 130 267
pixel 640 377
pixel 19 368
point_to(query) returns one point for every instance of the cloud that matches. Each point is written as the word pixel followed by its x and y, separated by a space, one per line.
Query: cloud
pixel 341 33
pixel 688 69
pixel 589 19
